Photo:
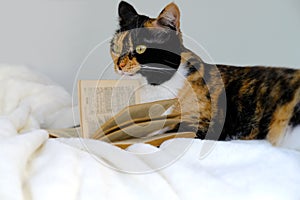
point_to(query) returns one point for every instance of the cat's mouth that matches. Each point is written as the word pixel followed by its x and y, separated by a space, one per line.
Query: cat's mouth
pixel 126 73
pixel 155 74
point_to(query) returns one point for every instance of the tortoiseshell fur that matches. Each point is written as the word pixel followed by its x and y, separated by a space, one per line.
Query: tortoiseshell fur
pixel 260 102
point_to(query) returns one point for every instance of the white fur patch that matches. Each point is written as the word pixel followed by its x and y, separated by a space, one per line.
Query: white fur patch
pixel 167 90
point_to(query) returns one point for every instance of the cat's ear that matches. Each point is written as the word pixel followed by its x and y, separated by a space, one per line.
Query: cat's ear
pixel 126 11
pixel 170 17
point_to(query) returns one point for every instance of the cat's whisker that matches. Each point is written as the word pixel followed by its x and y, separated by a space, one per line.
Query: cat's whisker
pixel 151 70
pixel 169 62
pixel 158 68
pixel 157 71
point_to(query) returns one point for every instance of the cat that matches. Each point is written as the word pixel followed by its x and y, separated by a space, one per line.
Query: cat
pixel 217 101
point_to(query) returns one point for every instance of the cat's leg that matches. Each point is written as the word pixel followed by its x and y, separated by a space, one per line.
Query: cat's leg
pixel 295 120
pixel 281 120
pixel 192 124
pixel 292 137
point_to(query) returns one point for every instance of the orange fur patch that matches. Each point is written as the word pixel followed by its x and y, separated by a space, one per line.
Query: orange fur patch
pixel 280 120
pixel 129 65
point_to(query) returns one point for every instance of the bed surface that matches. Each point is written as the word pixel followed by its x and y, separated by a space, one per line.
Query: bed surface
pixel 32 166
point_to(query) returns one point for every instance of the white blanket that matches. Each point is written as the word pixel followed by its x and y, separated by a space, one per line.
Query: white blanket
pixel 32 166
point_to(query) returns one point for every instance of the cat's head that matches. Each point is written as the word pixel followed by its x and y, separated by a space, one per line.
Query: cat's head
pixel 148 46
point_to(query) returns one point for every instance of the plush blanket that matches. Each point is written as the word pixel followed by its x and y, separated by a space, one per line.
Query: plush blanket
pixel 32 166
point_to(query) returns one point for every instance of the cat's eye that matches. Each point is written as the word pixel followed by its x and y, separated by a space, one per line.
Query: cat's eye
pixel 140 49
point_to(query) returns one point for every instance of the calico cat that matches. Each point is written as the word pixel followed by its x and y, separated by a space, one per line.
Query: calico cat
pixel 217 101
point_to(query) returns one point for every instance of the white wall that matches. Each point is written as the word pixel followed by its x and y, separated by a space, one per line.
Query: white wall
pixel 54 36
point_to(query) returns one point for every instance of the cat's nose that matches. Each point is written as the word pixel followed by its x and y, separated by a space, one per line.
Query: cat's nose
pixel 122 63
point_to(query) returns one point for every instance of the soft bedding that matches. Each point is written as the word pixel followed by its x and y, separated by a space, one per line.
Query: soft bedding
pixel 32 166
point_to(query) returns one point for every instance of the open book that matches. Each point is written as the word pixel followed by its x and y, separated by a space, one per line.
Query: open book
pixel 110 110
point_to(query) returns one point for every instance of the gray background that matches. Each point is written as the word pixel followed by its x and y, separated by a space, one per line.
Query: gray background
pixel 55 36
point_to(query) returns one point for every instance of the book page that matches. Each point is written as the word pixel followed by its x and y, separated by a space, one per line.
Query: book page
pixel 64 133
pixel 137 121
pixel 155 140
pixel 135 113
pixel 99 100
pixel 139 130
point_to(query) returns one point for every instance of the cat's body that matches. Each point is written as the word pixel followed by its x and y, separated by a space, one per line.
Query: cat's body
pixel 217 101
